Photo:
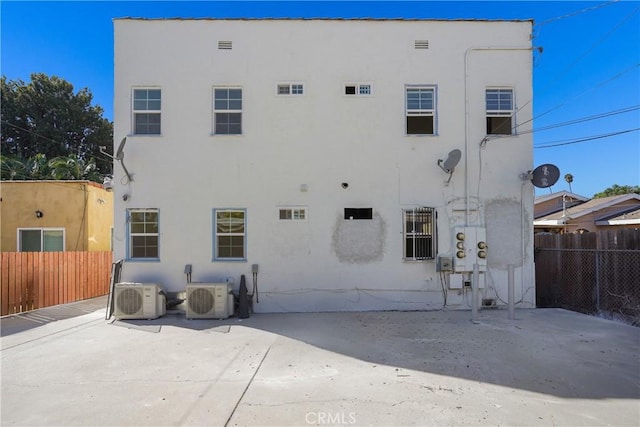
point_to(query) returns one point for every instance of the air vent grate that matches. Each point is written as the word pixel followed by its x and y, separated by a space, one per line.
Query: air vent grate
pixel 225 44
pixel 201 300
pixel 422 44
pixel 129 301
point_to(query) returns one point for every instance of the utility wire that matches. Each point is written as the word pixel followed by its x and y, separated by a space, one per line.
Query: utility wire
pixel 592 47
pixel 583 119
pixel 578 12
pixel 584 139
pixel 562 104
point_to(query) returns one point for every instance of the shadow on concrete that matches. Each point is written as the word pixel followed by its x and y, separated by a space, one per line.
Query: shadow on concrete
pixel 21 322
pixel 550 351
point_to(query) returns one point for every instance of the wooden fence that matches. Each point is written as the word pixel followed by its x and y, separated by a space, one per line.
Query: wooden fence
pixel 31 280
pixel 593 273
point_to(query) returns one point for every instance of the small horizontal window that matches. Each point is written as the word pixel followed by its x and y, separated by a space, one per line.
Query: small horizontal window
pixel 290 89
pixel 358 213
pixel 357 89
pixel 296 214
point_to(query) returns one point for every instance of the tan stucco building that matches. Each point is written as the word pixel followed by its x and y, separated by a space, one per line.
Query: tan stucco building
pixel 55 216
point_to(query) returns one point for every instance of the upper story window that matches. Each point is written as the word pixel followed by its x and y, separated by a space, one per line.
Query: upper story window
pixel 147 105
pixel 357 89
pixel 41 239
pixel 290 89
pixel 420 110
pixel 500 111
pixel 143 233
pixel 227 111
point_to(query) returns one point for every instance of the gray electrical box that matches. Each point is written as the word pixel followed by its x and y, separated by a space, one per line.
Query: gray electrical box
pixel 444 263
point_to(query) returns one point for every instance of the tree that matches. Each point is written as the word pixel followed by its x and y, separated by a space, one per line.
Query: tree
pixel 569 178
pixel 46 117
pixel 617 190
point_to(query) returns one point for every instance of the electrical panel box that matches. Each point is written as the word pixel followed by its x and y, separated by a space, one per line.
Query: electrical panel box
pixel 456 281
pixel 469 248
pixel 444 263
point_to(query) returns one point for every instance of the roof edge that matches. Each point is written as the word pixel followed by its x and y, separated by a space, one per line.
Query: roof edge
pixel 133 18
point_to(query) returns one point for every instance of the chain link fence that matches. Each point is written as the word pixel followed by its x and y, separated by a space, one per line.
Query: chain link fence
pixel 603 282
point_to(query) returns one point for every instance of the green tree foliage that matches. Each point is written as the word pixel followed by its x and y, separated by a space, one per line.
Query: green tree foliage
pixel 617 190
pixel 47 118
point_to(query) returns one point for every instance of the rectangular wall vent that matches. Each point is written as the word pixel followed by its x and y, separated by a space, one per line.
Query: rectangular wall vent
pixel 225 44
pixel 358 213
pixel 422 44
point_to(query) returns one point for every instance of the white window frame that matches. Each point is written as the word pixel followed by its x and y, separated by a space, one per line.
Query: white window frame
pixel 361 89
pixel 149 111
pixel 290 89
pixel 131 234
pixel 42 232
pixel 295 213
pixel 409 233
pixel 500 112
pixel 217 234
pixel 227 110
pixel 421 112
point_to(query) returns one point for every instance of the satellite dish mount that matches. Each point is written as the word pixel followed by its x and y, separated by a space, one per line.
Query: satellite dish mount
pixel 119 156
pixel 449 165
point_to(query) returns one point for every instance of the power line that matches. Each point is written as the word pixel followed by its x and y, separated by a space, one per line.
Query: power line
pixel 583 119
pixel 582 56
pixel 562 104
pixel 578 12
pixel 584 139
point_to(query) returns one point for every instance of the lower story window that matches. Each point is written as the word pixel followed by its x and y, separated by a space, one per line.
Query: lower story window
pixel 41 239
pixel 419 233
pixel 230 235
pixel 143 233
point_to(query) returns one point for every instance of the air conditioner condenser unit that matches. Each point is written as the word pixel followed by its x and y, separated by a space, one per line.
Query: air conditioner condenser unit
pixel 139 301
pixel 209 301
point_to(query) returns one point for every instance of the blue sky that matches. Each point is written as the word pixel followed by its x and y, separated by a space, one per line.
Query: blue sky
pixel 589 66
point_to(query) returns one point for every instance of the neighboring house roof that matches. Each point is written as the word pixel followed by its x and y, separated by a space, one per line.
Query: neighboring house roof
pixel 632 217
pixel 559 194
pixel 541 202
pixel 625 203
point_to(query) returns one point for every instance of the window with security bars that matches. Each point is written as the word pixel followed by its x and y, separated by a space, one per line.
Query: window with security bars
pixel 227 111
pixel 419 233
pixel 499 106
pixel 143 233
pixel 230 236
pixel 420 110
pixel 147 105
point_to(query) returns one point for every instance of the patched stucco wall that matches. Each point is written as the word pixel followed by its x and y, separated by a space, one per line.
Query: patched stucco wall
pixel 298 150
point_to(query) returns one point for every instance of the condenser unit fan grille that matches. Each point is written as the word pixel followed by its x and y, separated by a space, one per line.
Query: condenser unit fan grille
pixel 201 300
pixel 129 301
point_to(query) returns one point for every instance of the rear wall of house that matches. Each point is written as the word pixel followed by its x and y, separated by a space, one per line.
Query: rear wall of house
pixel 297 151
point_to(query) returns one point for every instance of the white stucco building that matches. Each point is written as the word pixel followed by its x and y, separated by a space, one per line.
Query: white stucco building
pixel 317 150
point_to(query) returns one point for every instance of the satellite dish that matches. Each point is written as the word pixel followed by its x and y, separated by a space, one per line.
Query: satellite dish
pixel 452 161
pixel 545 175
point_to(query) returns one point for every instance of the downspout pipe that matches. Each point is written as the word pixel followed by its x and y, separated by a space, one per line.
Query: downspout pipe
pixel 467 183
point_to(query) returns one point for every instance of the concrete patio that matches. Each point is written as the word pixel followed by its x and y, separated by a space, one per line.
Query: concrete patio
pixel 67 365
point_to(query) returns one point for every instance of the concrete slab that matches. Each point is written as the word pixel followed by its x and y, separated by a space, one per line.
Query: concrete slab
pixel 548 367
